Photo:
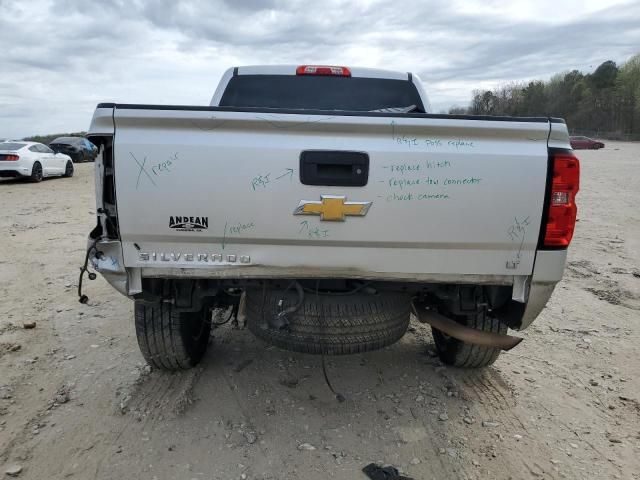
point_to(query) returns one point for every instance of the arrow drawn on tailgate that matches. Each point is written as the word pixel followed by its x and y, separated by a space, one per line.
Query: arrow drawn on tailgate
pixel 288 172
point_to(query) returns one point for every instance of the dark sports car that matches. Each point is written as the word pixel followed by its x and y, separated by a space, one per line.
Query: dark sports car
pixel 78 148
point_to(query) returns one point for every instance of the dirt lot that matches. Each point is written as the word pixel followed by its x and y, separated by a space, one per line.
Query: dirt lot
pixel 76 399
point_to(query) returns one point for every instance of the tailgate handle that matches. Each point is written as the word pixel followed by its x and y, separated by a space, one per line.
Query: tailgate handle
pixel 334 168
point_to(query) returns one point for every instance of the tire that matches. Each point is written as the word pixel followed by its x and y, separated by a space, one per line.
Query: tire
pixel 461 354
pixel 329 324
pixel 171 340
pixel 68 169
pixel 36 173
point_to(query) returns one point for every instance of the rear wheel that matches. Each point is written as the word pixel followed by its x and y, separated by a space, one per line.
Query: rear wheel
pixel 461 354
pixel 68 169
pixel 329 323
pixel 36 172
pixel 169 339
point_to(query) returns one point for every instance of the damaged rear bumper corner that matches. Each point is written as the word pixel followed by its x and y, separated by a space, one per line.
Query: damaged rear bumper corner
pixel 547 272
pixel 108 260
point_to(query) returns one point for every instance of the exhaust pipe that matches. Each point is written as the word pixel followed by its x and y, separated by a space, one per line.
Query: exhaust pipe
pixel 466 334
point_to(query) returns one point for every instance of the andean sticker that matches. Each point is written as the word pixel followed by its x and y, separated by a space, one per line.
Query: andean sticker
pixel 189 224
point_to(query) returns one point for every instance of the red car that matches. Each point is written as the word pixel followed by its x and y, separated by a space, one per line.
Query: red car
pixel 585 143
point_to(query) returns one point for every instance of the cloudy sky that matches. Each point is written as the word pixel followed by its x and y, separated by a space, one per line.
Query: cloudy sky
pixel 59 58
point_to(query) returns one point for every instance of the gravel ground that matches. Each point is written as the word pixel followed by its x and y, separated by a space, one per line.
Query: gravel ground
pixel 77 400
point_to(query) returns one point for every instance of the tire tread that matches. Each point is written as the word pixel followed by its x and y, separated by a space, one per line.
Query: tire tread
pixel 460 354
pixel 331 324
pixel 166 336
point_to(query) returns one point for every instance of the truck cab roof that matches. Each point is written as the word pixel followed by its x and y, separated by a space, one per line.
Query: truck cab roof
pixel 293 70
pixel 259 86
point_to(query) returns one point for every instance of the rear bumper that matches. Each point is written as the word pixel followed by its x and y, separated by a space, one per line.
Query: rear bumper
pixel 534 291
pixel 10 174
pixel 75 156
pixel 271 272
pixel 109 262
pixel 14 169
pixel 547 272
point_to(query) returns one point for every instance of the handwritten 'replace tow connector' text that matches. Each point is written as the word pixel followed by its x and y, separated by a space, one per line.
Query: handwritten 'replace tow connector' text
pixel 403 183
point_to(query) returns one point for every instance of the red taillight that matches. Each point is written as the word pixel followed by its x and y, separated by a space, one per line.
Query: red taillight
pixel 561 219
pixel 323 70
pixel 9 157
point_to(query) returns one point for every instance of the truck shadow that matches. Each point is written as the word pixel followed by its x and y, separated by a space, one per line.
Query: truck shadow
pixel 266 405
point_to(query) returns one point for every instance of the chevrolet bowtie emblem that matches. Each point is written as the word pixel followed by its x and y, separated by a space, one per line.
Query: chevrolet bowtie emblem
pixel 332 208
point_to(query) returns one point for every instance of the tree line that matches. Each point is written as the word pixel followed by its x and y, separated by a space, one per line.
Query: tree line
pixel 605 103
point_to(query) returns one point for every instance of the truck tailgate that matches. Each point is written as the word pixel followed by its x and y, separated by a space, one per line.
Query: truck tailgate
pixel 216 190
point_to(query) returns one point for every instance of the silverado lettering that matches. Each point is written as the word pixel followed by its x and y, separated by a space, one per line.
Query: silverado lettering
pixel 191 257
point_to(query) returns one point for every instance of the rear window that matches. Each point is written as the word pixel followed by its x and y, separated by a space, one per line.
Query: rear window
pixel 308 92
pixel 11 146
pixel 67 140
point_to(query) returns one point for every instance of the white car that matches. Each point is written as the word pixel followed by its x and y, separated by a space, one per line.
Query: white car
pixel 33 160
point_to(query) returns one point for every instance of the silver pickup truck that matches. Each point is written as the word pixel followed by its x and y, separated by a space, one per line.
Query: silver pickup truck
pixel 328 205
